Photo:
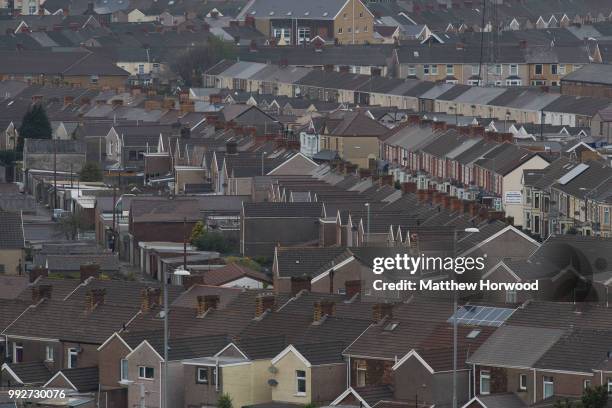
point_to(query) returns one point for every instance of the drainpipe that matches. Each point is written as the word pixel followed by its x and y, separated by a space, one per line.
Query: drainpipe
pixel 535 387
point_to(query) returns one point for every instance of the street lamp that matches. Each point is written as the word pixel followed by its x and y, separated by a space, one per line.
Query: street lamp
pixel 468 230
pixel 177 272
pixel 367 205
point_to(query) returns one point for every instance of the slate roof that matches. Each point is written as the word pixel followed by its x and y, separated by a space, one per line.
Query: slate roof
pixel 282 9
pixel 355 124
pixel 579 351
pixel 515 346
pixel 283 210
pixel 11 233
pixel 232 272
pixel 31 373
pixel 305 261
pixel 85 379
pixel 591 73
pixel 322 353
pixel 56 63
pixel 510 400
pixel 375 393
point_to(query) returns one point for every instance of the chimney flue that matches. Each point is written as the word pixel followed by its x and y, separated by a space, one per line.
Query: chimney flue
pixel 324 308
pixel 41 292
pixel 263 303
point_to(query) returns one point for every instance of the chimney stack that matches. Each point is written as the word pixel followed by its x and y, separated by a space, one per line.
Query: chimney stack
pixel 263 303
pixel 324 308
pixel 93 298
pixel 89 270
pixel 299 283
pixel 381 310
pixel 206 303
pixel 150 298
pixel 41 292
pixel 38 271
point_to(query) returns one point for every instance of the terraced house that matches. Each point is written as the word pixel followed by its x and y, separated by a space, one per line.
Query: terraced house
pixel 293 22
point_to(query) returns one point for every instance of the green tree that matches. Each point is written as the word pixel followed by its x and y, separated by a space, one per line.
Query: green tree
pixel 90 172
pixel 34 125
pixel 595 397
pixel 191 64
pixel 72 223
pixel 246 262
pixel 196 232
pixel 212 241
pixel 224 401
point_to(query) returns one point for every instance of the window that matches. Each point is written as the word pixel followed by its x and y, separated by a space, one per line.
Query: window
pixel 303 35
pixel 536 201
pixel 475 69
pixel 300 378
pixel 549 387
pixel 93 79
pixel 344 16
pixel 576 67
pixel 49 353
pixel 554 69
pixel 339 30
pixel 523 382
pixel 606 215
pixel 202 375
pixel 141 69
pixel 361 14
pixel 365 29
pixel 538 82
pixel 485 382
pixel 214 376
pixel 586 384
pixel 609 385
pixel 513 82
pixel 539 69
pixel 17 353
pixel 561 69
pixel 411 70
pixel 434 70
pixel 450 69
pixel 147 373
pixel 362 369
pixel 349 29
pixel 283 33
pixel 426 69
pixel 511 296
pixel 123 370
pixel 72 357
pixel 536 224
pixel 513 69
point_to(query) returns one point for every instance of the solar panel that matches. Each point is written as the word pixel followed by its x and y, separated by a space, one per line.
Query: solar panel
pixel 481 315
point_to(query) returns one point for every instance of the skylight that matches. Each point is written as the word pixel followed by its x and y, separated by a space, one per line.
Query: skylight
pixel 473 334
pixel 391 326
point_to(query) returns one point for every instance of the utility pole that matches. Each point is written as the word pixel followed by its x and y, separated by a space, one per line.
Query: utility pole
pixel 54 173
pixel 71 176
pixel 184 243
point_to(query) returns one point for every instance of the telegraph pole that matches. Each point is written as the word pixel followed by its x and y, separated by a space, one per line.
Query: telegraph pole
pixel 54 173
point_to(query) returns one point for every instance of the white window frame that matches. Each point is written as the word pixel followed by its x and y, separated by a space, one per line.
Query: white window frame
pixel 199 378
pixel 513 70
pixel 550 382
pixel 411 70
pixel 523 384
pixel 434 69
pixel 303 35
pixel 511 296
pixel 300 379
pixel 586 384
pixel 15 348
pixel 69 354
pixel 450 69
pixel 475 69
pixel 362 370
pixel 485 375
pixel 561 69
pixel 49 353
pixel 609 385
pixel 123 370
pixel 142 373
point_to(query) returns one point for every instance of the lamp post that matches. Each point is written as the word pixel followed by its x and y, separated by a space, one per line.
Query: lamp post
pixel 368 226
pixel 468 230
pixel 177 272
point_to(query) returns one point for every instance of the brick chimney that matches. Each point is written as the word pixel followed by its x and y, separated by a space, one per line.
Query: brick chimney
pixel 93 298
pixel 206 303
pixel 324 308
pixel 409 187
pixel 264 302
pixel 68 100
pixel 387 179
pixel 150 298
pixel 41 292
pixel 438 125
pixel 352 287
pixel 89 270
pixel 414 119
pixel 299 283
pixel 38 271
pixel 381 310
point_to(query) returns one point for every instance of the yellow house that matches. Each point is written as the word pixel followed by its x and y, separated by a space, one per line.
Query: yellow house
pixel 309 373
pixel 354 136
